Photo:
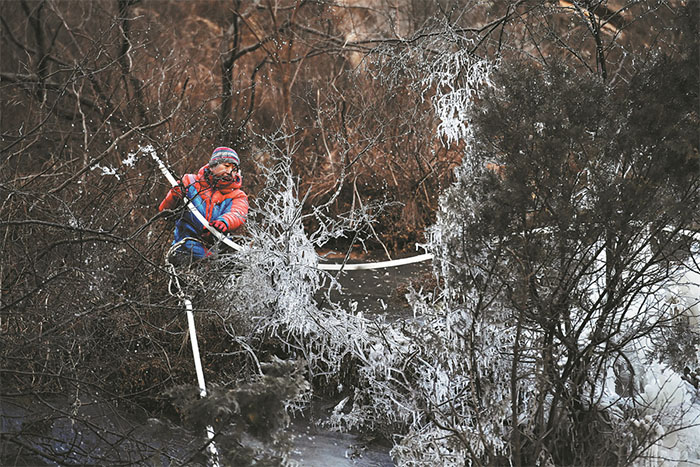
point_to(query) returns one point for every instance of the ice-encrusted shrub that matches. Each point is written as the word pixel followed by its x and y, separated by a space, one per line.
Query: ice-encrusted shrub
pixel 456 76
pixel 276 295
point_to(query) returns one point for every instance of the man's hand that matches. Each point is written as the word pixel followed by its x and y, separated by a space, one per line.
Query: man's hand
pixel 174 197
pixel 220 226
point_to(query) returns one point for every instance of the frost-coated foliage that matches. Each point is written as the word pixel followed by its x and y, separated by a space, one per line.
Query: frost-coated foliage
pixel 447 71
pixel 456 77
pixel 439 65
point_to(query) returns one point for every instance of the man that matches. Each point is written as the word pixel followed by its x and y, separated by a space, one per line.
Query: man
pixel 215 192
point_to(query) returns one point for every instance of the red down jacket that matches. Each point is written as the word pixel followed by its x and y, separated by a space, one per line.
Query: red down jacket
pixel 225 202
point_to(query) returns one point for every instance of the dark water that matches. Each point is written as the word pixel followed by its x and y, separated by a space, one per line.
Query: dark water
pixel 382 291
pixel 55 431
pixel 87 429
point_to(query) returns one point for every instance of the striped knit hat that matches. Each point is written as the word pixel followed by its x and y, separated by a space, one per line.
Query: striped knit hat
pixel 223 154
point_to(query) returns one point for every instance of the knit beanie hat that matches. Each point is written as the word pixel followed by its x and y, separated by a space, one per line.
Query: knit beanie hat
pixel 224 154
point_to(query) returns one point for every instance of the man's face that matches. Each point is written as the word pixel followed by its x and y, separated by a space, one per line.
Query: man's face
pixel 224 168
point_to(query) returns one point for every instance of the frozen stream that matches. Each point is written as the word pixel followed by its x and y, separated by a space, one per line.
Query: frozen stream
pixel 317 447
